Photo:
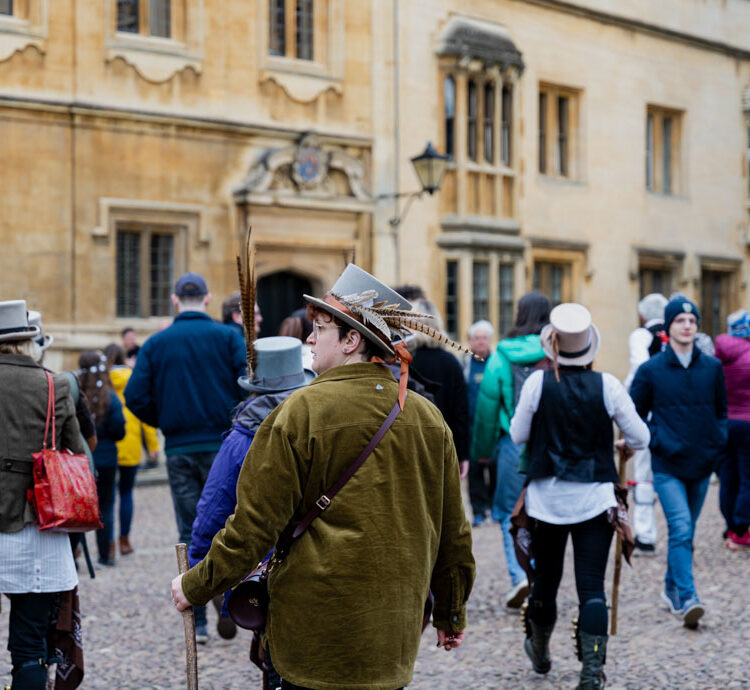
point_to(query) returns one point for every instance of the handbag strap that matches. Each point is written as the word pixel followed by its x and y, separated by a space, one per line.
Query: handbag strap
pixel 325 499
pixel 50 410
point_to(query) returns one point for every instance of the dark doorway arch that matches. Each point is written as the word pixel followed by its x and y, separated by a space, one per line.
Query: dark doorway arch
pixel 279 294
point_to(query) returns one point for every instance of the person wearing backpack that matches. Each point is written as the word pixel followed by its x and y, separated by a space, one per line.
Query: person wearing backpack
pixel 644 343
pixel 516 357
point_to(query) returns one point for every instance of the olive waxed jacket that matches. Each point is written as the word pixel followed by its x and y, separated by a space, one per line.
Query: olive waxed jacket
pixel 23 411
pixel 347 602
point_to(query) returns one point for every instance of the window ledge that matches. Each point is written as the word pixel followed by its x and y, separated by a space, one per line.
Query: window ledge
pixel 505 226
pixel 17 34
pixel 562 181
pixel 662 195
pixel 155 59
pixel 489 168
pixel 302 80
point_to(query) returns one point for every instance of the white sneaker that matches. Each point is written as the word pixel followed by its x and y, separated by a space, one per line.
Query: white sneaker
pixel 518 594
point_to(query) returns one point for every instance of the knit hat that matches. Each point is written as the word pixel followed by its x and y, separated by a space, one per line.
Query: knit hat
pixel 738 324
pixel 677 306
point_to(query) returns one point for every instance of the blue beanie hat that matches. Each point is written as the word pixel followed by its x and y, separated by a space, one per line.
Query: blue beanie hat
pixel 677 306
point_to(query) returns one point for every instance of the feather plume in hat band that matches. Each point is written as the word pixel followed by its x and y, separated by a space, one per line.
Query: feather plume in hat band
pixel 387 320
pixel 246 277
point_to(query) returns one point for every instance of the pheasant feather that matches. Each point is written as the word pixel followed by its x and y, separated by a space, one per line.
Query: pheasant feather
pixel 412 324
pixel 246 275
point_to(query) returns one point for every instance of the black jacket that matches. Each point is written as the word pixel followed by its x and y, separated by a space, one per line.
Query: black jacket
pixel 451 398
pixel 689 412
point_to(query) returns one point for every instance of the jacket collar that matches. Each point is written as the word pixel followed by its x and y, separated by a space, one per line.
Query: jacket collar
pixel 18 361
pixel 185 315
pixel 361 370
pixel 672 357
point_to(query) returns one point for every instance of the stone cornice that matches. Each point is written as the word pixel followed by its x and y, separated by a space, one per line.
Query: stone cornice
pixel 207 124
pixel 642 27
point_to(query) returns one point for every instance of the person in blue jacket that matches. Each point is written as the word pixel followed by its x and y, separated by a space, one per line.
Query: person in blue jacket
pixel 278 373
pixel 684 391
pixel 106 409
pixel 185 383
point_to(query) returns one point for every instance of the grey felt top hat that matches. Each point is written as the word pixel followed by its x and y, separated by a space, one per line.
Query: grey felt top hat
pixel 14 322
pixel 279 366
pixel 578 338
pixel 356 281
pixel 43 339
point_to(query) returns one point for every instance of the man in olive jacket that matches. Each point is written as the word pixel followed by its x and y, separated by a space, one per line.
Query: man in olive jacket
pixel 347 602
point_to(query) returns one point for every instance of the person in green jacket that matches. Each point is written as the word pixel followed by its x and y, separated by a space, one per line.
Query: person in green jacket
pixel 514 359
pixel 347 601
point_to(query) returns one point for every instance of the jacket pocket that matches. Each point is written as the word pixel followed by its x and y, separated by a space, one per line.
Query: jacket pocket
pixel 15 480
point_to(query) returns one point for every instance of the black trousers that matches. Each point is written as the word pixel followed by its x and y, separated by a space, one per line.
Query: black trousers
pixel 482 480
pixel 591 541
pixel 27 638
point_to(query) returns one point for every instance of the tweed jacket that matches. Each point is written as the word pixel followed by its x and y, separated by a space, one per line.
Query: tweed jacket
pixel 347 602
pixel 23 410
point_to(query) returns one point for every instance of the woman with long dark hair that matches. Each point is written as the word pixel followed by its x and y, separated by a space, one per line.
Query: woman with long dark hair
pixel 514 359
pixel 106 409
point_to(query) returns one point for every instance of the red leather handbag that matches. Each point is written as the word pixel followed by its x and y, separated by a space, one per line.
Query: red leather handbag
pixel 64 493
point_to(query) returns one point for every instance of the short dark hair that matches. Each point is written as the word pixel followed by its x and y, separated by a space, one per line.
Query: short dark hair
pixel 129 329
pixel 531 316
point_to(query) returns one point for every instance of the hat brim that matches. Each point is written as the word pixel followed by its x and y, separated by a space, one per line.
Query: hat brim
pixel 248 385
pixel 580 361
pixel 48 340
pixel 28 333
pixel 356 325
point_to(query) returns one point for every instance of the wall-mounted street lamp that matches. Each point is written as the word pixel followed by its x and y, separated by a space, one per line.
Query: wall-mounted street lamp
pixel 430 169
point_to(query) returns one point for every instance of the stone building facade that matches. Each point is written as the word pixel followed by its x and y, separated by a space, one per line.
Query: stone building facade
pixel 599 150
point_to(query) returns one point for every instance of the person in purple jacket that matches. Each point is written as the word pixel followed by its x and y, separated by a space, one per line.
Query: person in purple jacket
pixel 278 373
pixel 734 497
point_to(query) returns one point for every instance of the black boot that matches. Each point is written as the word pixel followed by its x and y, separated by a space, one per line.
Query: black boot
pixel 536 643
pixel 30 675
pixel 593 649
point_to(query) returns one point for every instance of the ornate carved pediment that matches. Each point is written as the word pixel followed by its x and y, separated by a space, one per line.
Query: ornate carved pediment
pixel 305 169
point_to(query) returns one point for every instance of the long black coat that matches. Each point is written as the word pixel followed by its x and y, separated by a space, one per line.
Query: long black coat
pixel 451 398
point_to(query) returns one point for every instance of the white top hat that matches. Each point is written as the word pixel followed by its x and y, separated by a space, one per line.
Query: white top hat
pixel 578 338
pixel 14 322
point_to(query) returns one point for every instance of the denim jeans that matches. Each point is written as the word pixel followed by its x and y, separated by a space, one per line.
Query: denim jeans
pixel 27 638
pixel 187 475
pixel 105 487
pixel 482 481
pixel 681 500
pixel 125 489
pixel 507 490
pixel 734 495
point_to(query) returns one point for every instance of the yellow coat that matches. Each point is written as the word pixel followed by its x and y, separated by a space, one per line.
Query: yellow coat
pixel 129 450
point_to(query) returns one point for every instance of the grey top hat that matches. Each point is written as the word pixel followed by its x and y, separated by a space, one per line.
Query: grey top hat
pixel 43 340
pixel 352 283
pixel 578 338
pixel 14 322
pixel 279 366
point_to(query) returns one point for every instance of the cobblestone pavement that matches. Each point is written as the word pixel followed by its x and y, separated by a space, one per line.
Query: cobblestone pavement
pixel 133 637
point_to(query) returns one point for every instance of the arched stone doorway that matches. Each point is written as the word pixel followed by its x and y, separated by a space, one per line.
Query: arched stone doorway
pixel 279 294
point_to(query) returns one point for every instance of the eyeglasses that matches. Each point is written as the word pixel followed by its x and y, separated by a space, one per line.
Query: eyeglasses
pixel 317 328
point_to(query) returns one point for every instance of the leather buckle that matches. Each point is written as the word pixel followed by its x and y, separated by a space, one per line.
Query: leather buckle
pixel 323 502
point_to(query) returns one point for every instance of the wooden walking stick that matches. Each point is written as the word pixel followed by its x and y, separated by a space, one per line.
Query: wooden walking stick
pixel 188 619
pixel 622 458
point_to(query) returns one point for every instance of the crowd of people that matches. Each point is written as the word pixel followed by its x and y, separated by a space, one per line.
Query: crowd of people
pixel 257 431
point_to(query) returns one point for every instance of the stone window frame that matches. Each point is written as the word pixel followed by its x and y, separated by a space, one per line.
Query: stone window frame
pixel 730 269
pixel 304 80
pixel 551 162
pixel 157 59
pixel 502 167
pixel 28 25
pixel 572 256
pixel 176 23
pixel 656 164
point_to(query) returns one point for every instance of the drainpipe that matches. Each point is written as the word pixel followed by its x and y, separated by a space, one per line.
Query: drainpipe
pixel 74 59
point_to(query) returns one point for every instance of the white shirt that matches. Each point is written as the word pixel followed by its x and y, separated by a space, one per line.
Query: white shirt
pixel 563 502
pixel 34 562
pixel 638 344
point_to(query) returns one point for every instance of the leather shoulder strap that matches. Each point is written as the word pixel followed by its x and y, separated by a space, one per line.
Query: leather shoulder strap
pixel 325 500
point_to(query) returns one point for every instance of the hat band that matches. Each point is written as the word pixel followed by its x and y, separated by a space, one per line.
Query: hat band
pixel 328 299
pixel 16 329
pixel 577 353
pixel 290 380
